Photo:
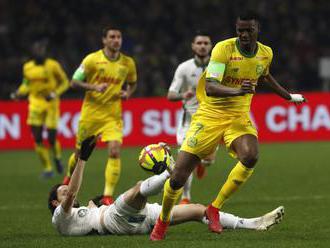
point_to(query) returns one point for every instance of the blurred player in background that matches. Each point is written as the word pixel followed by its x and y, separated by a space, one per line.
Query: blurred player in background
pixel 131 213
pixel 183 88
pixel 102 75
pixel 43 82
pixel 224 91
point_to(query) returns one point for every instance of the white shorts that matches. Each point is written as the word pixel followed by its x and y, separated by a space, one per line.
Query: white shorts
pixel 183 127
pixel 119 218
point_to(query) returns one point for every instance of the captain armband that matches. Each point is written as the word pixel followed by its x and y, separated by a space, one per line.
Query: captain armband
pixel 79 74
pixel 215 70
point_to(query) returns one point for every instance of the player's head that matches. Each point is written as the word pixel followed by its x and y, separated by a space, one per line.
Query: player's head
pixel 247 28
pixel 57 195
pixel 39 49
pixel 112 38
pixel 201 44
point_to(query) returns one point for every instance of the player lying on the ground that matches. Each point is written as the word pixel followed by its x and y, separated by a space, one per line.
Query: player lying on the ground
pixel 131 214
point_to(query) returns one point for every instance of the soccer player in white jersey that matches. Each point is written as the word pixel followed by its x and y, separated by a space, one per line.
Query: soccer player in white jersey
pixel 131 214
pixel 183 88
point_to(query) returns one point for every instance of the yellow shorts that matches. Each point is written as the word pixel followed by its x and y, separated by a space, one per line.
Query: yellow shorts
pixel 204 133
pixel 110 130
pixel 44 115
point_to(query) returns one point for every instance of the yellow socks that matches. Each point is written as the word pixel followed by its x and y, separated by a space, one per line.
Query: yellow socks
pixel 238 175
pixel 170 197
pixel 71 164
pixel 43 156
pixel 112 174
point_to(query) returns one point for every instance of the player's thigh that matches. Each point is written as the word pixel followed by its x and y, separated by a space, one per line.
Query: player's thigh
pixel 240 127
pixel 202 137
pixel 87 129
pixel 112 130
pixel 52 115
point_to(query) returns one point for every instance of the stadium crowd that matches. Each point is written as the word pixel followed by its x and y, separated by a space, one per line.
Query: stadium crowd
pixel 156 35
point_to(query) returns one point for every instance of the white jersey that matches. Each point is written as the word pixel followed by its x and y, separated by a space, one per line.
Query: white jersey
pixel 186 77
pixel 81 221
pixel 118 218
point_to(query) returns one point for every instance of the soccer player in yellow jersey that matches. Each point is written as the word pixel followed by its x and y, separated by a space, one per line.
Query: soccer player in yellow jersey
pixel 225 91
pixel 102 75
pixel 43 81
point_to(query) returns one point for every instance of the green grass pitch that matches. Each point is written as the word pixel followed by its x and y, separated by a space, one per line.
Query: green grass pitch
pixel 296 175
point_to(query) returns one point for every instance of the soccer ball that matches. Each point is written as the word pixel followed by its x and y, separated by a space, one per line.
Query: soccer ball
pixel 154 158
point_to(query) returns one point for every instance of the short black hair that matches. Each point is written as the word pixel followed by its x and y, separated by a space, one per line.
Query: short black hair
pixel 53 196
pixel 109 27
pixel 249 15
pixel 200 32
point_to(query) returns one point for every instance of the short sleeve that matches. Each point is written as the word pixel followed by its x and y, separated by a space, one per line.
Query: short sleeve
pixel 177 81
pixel 132 74
pixel 217 65
pixel 266 71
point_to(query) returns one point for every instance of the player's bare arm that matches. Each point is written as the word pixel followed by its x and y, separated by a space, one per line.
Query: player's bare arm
pixel 73 188
pixel 77 84
pixel 279 90
pixel 125 94
pixel 213 88
pixel 174 96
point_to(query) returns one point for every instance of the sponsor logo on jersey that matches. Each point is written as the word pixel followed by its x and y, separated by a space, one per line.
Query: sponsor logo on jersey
pixel 235 58
pixel 82 212
pixel 109 80
pixel 101 62
pixel 261 57
pixel 237 81
pixel 259 69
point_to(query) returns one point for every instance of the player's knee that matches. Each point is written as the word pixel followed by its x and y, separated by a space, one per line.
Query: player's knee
pixel 249 159
pixel 178 179
pixel 114 154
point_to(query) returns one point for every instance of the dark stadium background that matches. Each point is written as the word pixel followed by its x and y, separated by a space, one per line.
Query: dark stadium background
pixel 158 34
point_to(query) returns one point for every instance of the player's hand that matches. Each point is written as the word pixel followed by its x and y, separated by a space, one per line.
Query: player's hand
pixel 87 147
pixel 188 94
pixel 123 95
pixel 101 87
pixel 51 96
pixel 297 98
pixel 248 87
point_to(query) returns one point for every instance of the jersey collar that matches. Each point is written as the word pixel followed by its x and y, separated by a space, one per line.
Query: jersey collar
pixel 199 64
pixel 111 60
pixel 245 54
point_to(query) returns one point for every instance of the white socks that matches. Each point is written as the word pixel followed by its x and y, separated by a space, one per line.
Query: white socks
pixel 187 187
pixel 154 185
pixel 231 221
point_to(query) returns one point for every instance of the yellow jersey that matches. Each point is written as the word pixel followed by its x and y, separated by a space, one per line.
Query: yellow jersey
pixel 239 66
pixel 97 68
pixel 39 80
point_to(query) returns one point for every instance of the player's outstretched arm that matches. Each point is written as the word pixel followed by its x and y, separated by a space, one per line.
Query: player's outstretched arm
pixel 87 148
pixel 77 84
pixel 213 88
pixel 279 90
